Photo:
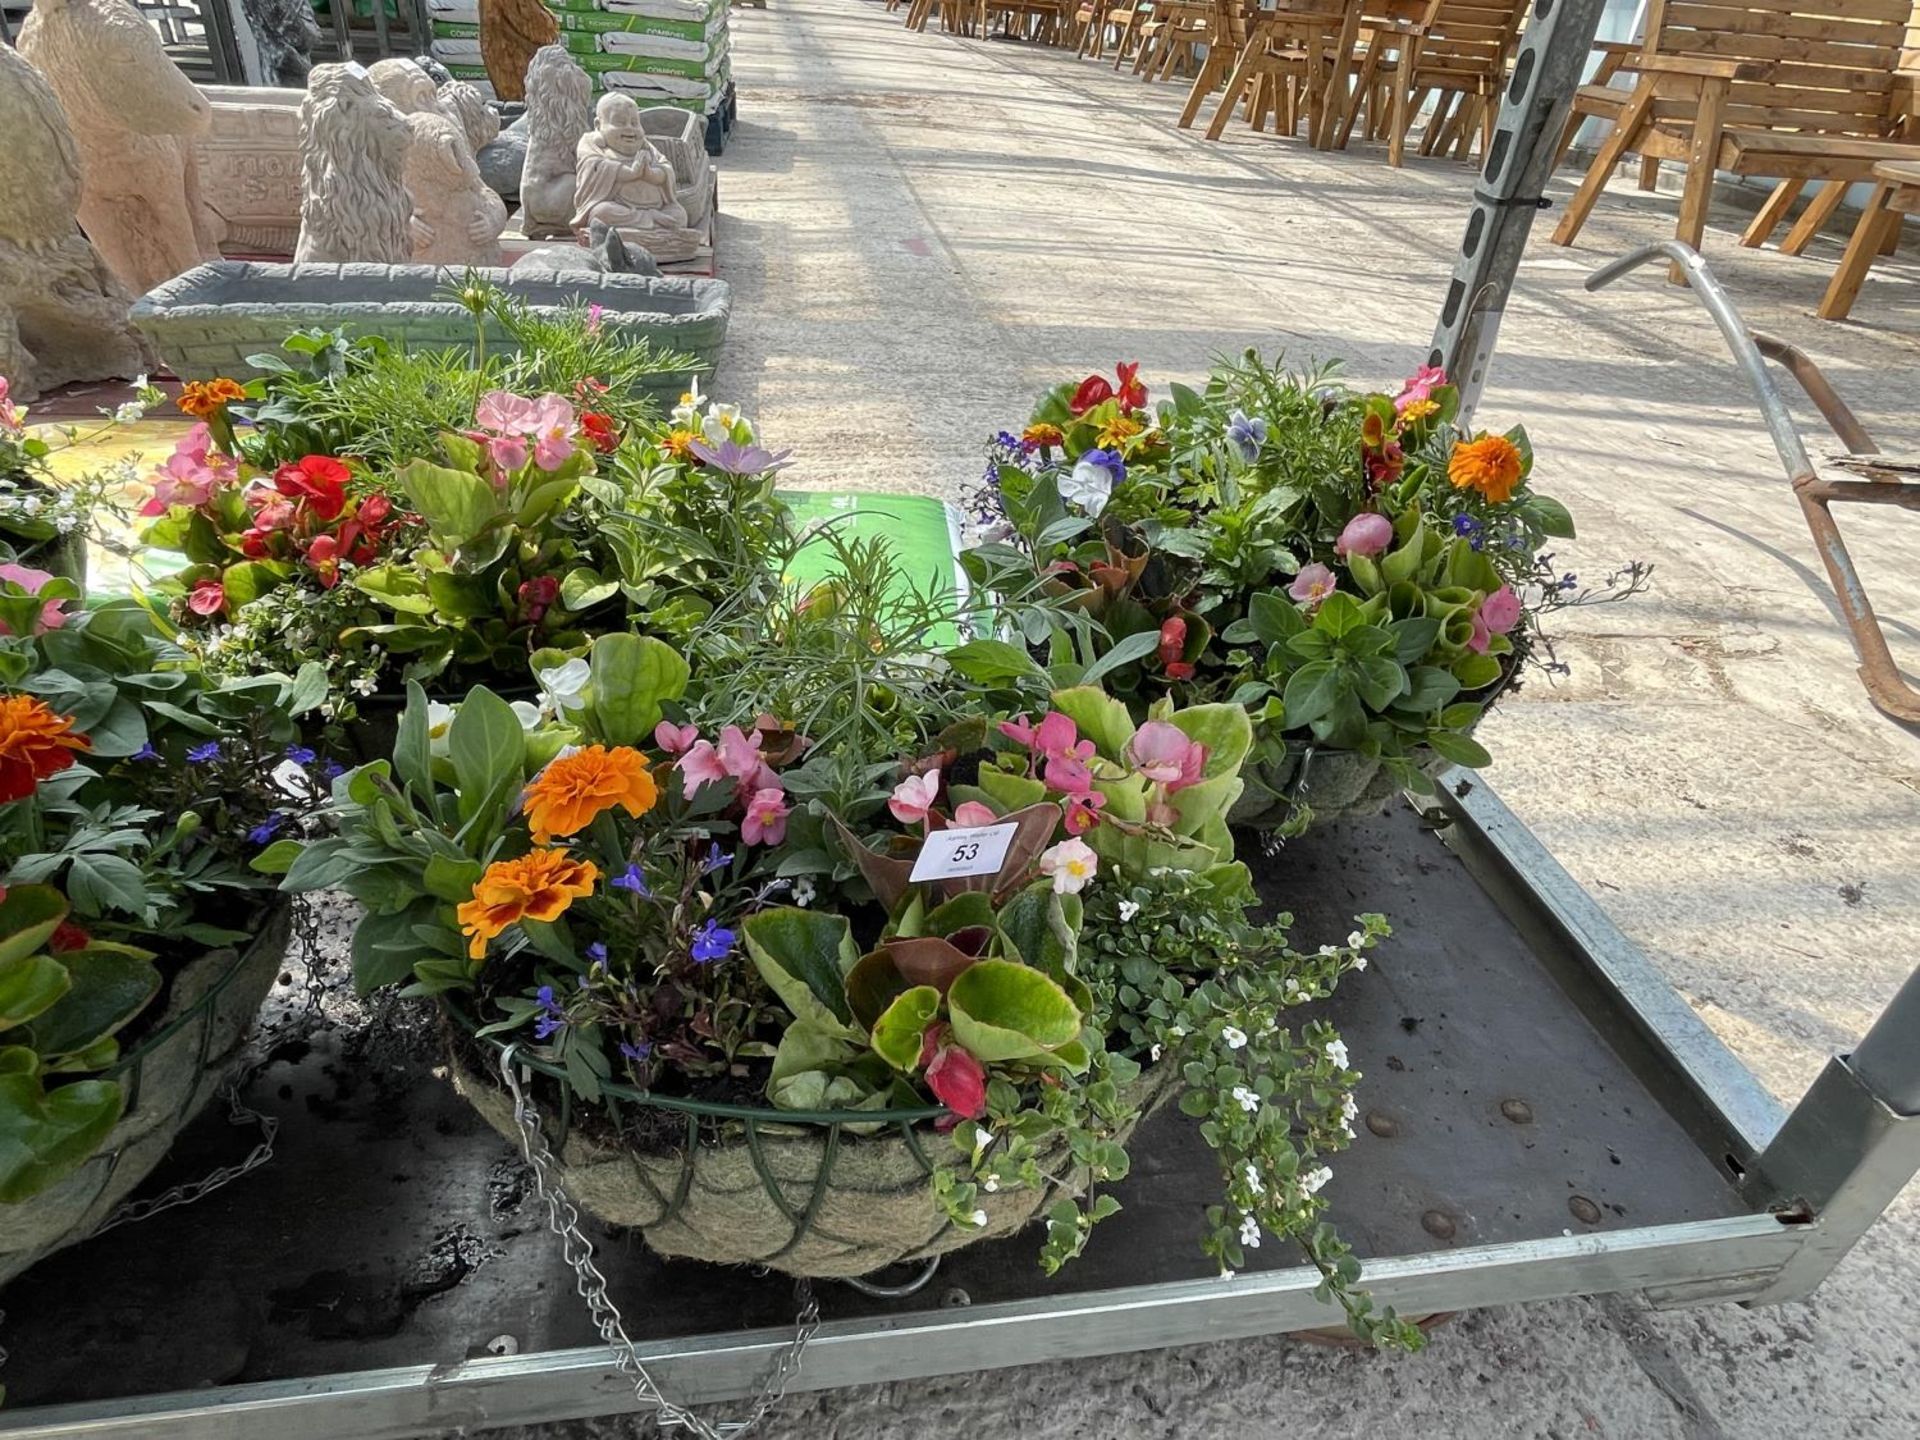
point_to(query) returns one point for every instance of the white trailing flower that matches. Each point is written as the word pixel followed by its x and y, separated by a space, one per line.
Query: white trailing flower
pixel 1249 1101
pixel 1236 1038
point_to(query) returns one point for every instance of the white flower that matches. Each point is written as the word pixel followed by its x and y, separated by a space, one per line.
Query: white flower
pixel 1128 909
pixel 1154 1053
pixel 1356 939
pixel 526 712
pixel 1235 1038
pixel 1337 1052
pixel 1253 1179
pixel 1250 1232
pixel 979 1217
pixel 565 685
pixel 439 722
pixel 803 891
pixel 1249 1101
pixel 1088 487
pixel 1072 864
pixel 1315 1178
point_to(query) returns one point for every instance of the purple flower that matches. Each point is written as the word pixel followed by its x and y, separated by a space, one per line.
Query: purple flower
pixel 267 828
pixel 300 755
pixel 733 458
pixel 631 879
pixel 201 754
pixel 1246 433
pixel 145 752
pixel 711 942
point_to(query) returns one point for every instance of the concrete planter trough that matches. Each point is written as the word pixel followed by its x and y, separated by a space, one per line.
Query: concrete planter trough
pixel 208 321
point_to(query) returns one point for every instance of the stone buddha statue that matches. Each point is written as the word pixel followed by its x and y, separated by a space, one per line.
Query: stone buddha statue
pixel 622 182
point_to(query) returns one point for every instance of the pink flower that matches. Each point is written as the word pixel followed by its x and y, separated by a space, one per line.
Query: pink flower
pixel 1420 386
pixel 209 598
pixel 1164 754
pixel 1312 585
pixel 913 797
pixel 765 822
pixel 1481 636
pixel 1366 534
pixel 1500 610
pixel 674 739
pixel 52 617
pixel 1083 811
pixel 701 765
pixel 958 1081
pixel 972 812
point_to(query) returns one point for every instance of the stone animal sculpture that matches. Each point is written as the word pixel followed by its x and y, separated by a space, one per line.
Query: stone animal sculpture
pixel 478 122
pixel 134 117
pixel 354 204
pixel 511 33
pixel 284 34
pixel 559 110
pixel 605 253
pixel 457 220
pixel 62 314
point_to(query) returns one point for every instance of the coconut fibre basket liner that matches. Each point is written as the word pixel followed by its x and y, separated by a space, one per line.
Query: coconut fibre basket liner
pixel 826 1194
pixel 169 1077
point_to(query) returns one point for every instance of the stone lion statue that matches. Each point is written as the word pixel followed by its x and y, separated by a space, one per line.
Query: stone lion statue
pixel 478 122
pixel 354 204
pixel 134 117
pixel 457 219
pixel 559 110
pixel 63 316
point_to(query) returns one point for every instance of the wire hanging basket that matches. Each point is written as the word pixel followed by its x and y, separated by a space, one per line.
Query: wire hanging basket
pixel 169 1077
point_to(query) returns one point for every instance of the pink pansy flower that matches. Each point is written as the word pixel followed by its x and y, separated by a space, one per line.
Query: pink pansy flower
pixel 1083 811
pixel 674 739
pixel 208 597
pixel 1312 585
pixel 1365 534
pixel 52 617
pixel 765 822
pixel 972 812
pixel 1166 755
pixel 1420 386
pixel 701 765
pixel 1501 610
pixel 913 797
pixel 1481 636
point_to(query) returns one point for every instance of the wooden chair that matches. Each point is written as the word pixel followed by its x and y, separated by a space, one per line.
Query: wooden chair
pixel 1794 91
pixel 1293 60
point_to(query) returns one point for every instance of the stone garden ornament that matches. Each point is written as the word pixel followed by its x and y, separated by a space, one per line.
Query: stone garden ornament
pixel 559 110
pixel 62 314
pixel 623 182
pixel 457 219
pixel 134 117
pixel 354 204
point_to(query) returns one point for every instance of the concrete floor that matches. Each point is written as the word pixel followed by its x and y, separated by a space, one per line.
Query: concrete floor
pixel 925 232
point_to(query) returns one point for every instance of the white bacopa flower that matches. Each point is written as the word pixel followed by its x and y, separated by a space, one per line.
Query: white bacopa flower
pixel 979 1217
pixel 1249 1101
pixel 1250 1232
pixel 565 686
pixel 1128 909
pixel 1315 1178
pixel 1337 1052
pixel 1235 1038
pixel 1254 1182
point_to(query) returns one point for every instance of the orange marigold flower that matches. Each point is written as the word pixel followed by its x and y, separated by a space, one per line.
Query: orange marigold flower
pixel 679 444
pixel 1490 464
pixel 34 743
pixel 1117 431
pixel 1042 435
pixel 564 798
pixel 540 885
pixel 202 398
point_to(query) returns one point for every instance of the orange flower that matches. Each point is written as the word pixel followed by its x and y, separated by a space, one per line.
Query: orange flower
pixel 540 885
pixel 1042 435
pixel 34 743
pixel 1490 464
pixel 204 398
pixel 679 444
pixel 564 798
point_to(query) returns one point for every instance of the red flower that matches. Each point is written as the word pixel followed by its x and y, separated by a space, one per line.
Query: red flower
pixel 600 430
pixel 208 597
pixel 68 936
pixel 1094 390
pixel 959 1082
pixel 1133 395
pixel 323 554
pixel 319 481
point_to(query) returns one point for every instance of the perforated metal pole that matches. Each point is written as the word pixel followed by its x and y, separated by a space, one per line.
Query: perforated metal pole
pixel 1546 71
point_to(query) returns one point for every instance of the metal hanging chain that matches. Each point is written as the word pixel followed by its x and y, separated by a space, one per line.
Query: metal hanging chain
pixel 238 1113
pixel 564 1220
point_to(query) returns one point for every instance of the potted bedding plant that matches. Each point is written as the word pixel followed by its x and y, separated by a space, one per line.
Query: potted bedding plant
pixel 134 793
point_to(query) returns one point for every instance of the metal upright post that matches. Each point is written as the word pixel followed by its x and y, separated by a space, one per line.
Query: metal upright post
pixel 1546 71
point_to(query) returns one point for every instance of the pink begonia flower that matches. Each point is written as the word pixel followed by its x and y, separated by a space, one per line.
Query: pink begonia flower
pixel 208 597
pixel 1365 534
pixel 52 617
pixel 1083 811
pixel 674 739
pixel 1481 636
pixel 701 765
pixel 1017 729
pixel 1501 610
pixel 913 797
pixel 1420 386
pixel 765 822
pixel 1166 755
pixel 972 812
pixel 1071 865
pixel 191 474
pixel 1312 585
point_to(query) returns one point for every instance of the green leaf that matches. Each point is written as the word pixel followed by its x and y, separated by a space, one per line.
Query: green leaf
pixel 897 1033
pixel 30 985
pixel 989 662
pixel 110 987
pixel 1004 1011
pixel 488 747
pixel 456 504
pixel 1460 749
pixel 804 956
pixel 1312 691
pixel 633 677
pixel 29 914
pixel 45 1137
